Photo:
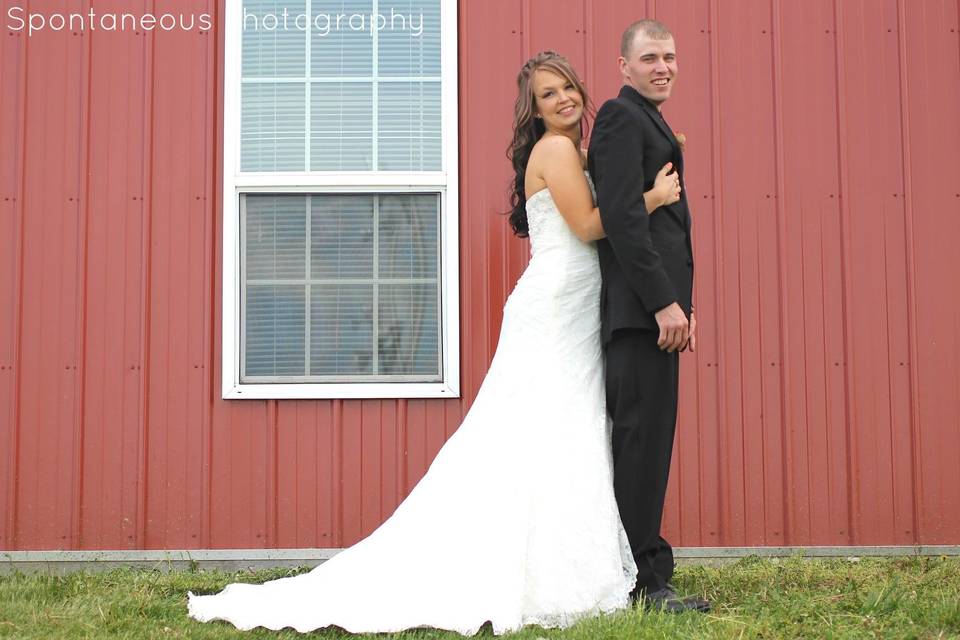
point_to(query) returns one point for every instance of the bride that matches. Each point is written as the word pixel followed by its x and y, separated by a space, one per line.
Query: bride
pixel 515 522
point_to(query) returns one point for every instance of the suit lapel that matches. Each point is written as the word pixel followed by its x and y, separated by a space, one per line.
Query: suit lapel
pixel 633 95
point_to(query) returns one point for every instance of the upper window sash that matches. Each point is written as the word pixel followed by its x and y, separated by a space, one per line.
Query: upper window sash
pixel 309 108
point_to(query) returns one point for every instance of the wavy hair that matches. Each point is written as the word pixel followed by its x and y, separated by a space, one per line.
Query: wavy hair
pixel 527 129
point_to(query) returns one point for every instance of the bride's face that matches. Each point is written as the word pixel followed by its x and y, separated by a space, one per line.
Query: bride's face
pixel 557 101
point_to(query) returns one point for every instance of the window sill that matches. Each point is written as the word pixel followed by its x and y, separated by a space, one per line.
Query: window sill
pixel 340 391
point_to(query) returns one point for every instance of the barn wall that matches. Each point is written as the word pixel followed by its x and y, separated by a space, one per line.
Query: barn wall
pixel 821 407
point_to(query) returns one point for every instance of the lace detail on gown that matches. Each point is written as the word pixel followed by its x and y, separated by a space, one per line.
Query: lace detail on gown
pixel 515 522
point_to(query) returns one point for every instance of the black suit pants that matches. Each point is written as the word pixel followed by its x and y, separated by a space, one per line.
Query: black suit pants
pixel 641 388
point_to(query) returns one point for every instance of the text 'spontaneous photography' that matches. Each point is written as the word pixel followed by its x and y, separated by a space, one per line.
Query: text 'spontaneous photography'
pixel 19 19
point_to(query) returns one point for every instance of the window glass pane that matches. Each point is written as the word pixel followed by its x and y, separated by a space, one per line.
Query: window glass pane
pixel 341 237
pixel 276 237
pixel 409 119
pixel 341 138
pixel 341 43
pixel 409 42
pixel 270 48
pixel 272 125
pixel 349 282
pixel 353 89
pixel 408 236
pixel 341 329
pixel 274 330
pixel 408 333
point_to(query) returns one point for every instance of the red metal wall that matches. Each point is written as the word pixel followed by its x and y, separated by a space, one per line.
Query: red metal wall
pixel 820 409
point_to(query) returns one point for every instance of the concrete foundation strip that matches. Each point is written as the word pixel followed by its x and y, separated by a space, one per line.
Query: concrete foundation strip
pixel 239 559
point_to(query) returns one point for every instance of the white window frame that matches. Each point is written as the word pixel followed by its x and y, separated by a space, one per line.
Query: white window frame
pixel 445 181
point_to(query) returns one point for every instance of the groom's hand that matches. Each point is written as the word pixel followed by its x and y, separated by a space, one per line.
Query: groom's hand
pixel 674 328
pixel 692 343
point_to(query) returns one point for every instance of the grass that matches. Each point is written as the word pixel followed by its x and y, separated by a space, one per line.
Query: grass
pixel 753 598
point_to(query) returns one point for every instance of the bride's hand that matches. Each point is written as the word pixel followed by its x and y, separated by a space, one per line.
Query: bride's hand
pixel 667 185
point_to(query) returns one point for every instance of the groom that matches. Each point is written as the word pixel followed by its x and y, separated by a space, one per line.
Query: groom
pixel 646 262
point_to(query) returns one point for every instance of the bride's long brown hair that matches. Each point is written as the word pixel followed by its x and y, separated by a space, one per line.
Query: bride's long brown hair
pixel 527 129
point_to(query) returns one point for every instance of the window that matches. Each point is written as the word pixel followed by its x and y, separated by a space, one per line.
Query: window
pixel 340 191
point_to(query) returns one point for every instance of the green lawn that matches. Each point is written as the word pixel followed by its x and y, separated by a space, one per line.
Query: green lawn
pixel 753 598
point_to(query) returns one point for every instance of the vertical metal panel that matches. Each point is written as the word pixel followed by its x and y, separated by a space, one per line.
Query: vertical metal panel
pixel 489 255
pixel 878 341
pixel 748 282
pixel 696 454
pixel 304 514
pixel 928 56
pixel 808 213
pixel 353 455
pixel 241 462
pixel 115 214
pixel 820 408
pixel 48 374
pixel 180 154
pixel 12 94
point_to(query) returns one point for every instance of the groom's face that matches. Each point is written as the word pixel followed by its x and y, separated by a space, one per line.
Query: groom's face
pixel 650 67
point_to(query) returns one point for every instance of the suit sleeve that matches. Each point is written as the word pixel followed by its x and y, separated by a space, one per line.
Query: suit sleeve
pixel 617 147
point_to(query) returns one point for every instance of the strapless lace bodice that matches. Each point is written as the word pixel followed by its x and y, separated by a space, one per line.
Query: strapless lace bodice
pixel 548 229
pixel 563 276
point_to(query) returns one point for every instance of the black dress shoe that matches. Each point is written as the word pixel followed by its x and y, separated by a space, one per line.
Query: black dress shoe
pixel 666 599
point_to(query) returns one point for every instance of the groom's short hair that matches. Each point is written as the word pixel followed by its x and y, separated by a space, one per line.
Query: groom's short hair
pixel 651 28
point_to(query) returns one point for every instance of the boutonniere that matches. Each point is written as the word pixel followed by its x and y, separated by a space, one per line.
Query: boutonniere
pixel 681 139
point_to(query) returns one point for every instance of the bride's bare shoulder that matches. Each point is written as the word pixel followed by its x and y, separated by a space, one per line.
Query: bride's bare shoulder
pixel 552 150
pixel 554 143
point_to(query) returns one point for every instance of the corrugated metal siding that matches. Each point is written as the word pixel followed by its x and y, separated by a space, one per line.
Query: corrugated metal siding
pixel 821 408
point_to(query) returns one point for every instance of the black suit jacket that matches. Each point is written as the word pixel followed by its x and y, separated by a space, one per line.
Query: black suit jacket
pixel 646 260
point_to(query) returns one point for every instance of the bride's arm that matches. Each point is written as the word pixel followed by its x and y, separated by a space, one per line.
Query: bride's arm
pixel 595 228
pixel 653 200
pixel 563 174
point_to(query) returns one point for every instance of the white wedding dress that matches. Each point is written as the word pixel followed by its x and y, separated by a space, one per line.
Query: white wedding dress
pixel 515 522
